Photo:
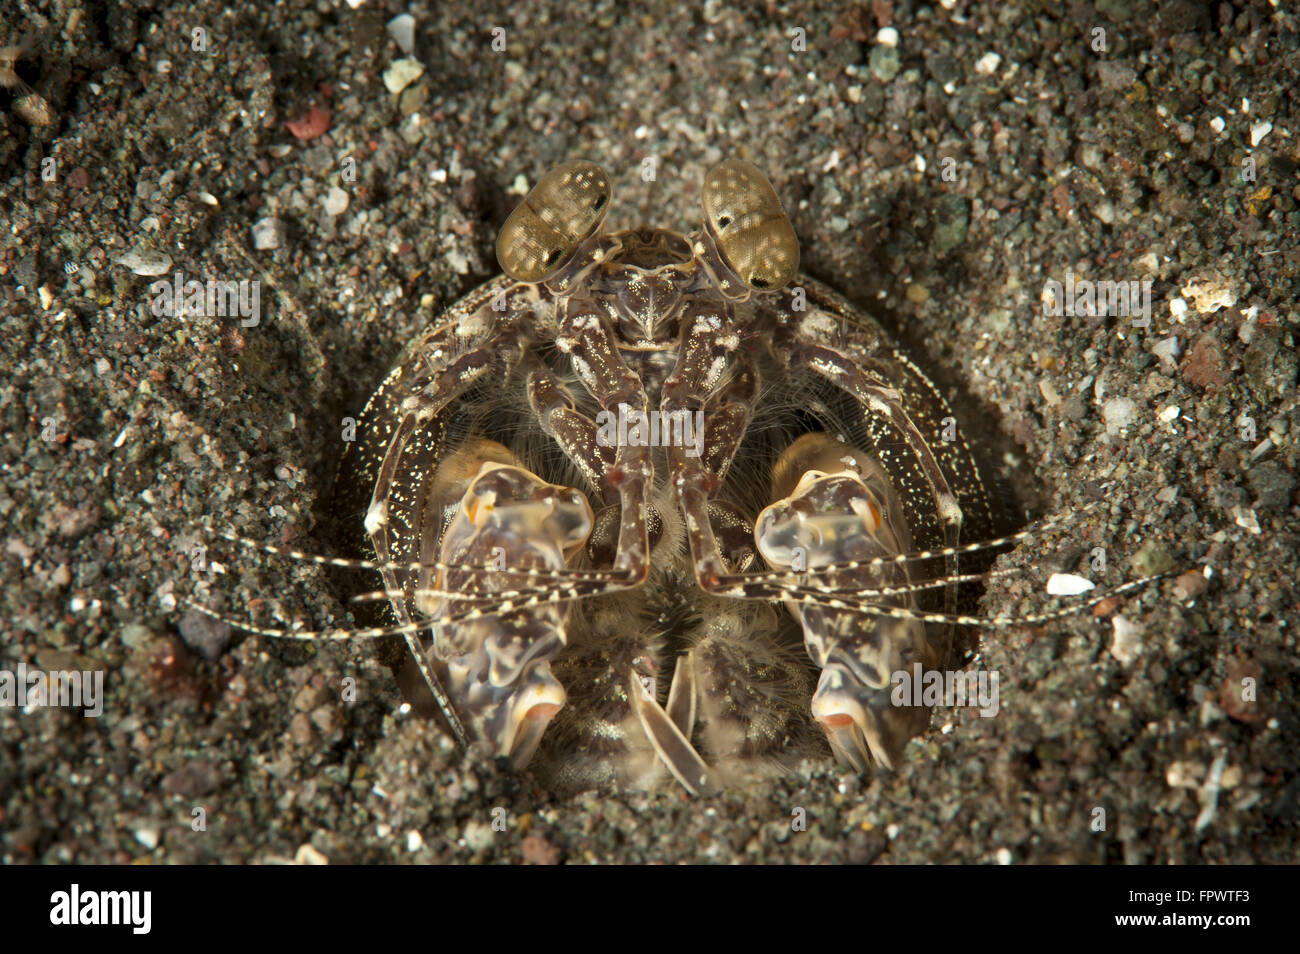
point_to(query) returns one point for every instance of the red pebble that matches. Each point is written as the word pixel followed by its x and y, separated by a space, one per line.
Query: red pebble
pixel 310 124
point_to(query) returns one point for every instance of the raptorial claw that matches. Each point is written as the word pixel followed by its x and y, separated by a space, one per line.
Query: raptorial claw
pixel 862 723
pixel 497 666
pixel 839 510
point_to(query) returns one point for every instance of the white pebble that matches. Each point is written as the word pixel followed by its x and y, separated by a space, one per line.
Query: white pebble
pixel 478 836
pixel 402 74
pixel 1067 584
pixel 336 201
pixel 1259 131
pixel 147 837
pixel 1245 518
pixel 1217 124
pixel 402 29
pixel 1118 413
pixel 308 855
pixel 887 36
pixel 1166 349
pixel 267 234
pixel 987 64
pixel 1127 641
pixel 1184 774
pixel 146 263
pixel 1170 414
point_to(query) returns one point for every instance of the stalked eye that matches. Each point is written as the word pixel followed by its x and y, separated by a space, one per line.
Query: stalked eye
pixel 559 213
pixel 751 229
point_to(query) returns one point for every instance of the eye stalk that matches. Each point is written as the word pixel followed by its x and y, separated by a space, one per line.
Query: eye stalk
pixel 565 208
pixel 752 231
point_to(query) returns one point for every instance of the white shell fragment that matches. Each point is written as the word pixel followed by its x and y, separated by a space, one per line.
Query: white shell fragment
pixel 1067 584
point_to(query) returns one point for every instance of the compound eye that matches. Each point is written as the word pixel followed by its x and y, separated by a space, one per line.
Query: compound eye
pixel 559 213
pixel 749 226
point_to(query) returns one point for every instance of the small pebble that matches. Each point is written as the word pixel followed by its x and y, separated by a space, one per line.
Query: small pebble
pixel 402 74
pixel 336 202
pixel 1184 774
pixel 206 636
pixel 300 730
pixel 402 29
pixel 1115 76
pixel 307 855
pixel 267 234
pixel 1190 585
pixel 1152 559
pixel 1166 349
pixel 1204 365
pixel 884 63
pixel 1118 414
pixel 538 851
pixel 479 836
pixel 1126 643
pixel 1209 294
pixel 1067 584
pixel 146 263
pixel 1106 606
pixel 311 124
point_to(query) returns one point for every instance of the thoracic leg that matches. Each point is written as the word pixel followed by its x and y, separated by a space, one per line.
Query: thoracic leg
pixel 885 402
pixel 706 354
pixel 573 431
pixel 420 403
pixel 612 383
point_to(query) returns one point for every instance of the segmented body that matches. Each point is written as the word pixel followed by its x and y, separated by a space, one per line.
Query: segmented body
pixel 745 572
